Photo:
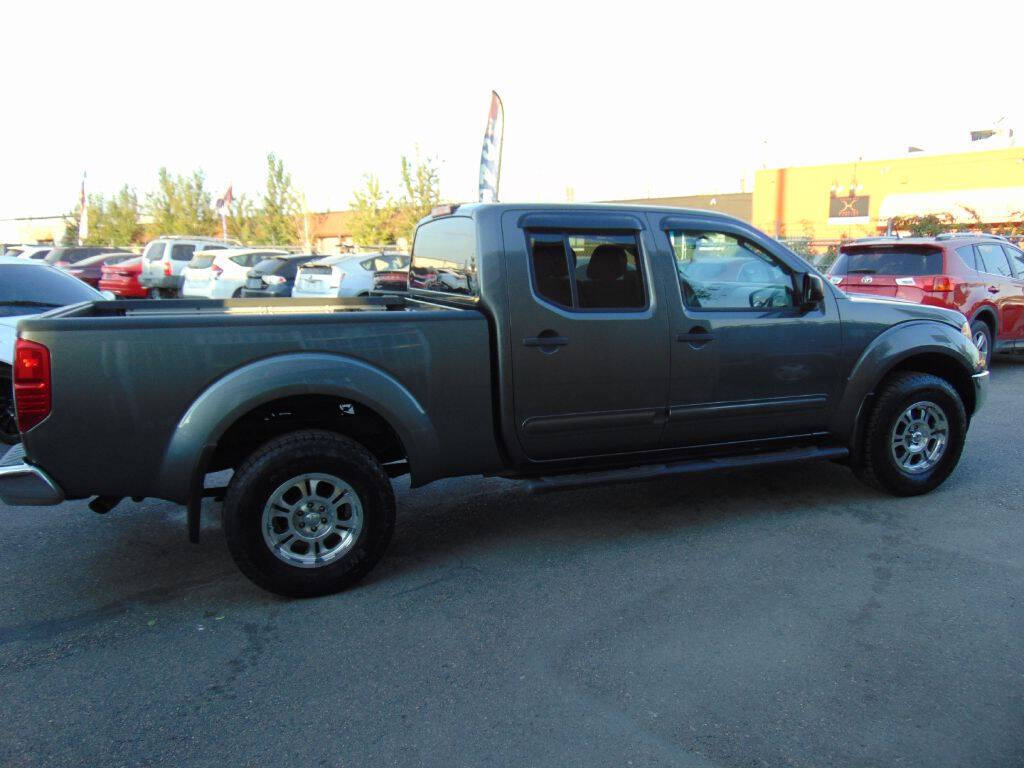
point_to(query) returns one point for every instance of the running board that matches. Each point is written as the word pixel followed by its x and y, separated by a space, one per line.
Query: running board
pixel 654 471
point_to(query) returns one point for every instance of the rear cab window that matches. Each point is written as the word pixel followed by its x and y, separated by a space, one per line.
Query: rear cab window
pixel 444 258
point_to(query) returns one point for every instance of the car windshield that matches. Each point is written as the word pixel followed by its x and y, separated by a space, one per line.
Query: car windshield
pixel 889 260
pixel 103 258
pixel 30 289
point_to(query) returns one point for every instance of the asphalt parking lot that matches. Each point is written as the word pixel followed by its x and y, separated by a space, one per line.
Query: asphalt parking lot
pixel 788 617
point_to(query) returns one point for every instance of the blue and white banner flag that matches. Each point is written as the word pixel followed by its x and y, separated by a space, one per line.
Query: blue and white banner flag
pixel 490 157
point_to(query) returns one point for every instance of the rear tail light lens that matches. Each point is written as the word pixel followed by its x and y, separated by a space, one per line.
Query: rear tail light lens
pixel 938 283
pixel 216 271
pixel 32 386
pixel 273 279
pixel 167 269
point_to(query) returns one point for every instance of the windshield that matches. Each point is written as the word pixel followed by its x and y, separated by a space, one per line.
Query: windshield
pixel 27 290
pixel 887 260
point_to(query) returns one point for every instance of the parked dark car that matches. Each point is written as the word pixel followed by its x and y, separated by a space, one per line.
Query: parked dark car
pixel 62 257
pixel 274 277
pixel 122 279
pixel 90 270
pixel 981 276
pixel 564 345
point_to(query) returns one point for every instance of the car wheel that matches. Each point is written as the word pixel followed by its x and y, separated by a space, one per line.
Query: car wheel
pixel 915 435
pixel 982 336
pixel 155 293
pixel 309 513
pixel 237 294
pixel 8 416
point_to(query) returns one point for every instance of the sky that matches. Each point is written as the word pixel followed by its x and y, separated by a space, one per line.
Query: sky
pixel 602 100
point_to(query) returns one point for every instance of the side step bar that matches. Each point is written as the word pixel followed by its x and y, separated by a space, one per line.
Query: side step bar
pixel 654 471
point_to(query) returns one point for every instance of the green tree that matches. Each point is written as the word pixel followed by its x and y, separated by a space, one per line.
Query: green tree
pixel 244 221
pixel 73 217
pixel 421 191
pixel 181 205
pixel 280 210
pixel 118 220
pixel 374 220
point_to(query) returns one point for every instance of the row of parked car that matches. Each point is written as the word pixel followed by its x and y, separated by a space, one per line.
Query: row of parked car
pixel 197 267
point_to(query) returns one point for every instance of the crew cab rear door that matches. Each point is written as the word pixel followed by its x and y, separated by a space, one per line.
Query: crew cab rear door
pixel 588 334
pixel 747 362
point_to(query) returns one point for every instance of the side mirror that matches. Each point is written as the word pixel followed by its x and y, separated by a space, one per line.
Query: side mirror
pixel 813 291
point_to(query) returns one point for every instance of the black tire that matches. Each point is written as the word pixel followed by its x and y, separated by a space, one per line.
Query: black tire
pixel 273 464
pixel 8 418
pixel 155 293
pixel 237 294
pixel 877 466
pixel 982 335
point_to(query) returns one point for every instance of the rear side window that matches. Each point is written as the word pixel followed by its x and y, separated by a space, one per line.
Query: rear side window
pixel 587 271
pixel 200 261
pixel 888 260
pixel 182 252
pixel 444 257
pixel 966 253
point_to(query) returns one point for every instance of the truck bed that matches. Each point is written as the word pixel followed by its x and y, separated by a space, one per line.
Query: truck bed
pixel 128 377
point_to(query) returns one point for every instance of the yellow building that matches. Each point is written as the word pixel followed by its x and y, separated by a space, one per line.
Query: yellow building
pixel 843 200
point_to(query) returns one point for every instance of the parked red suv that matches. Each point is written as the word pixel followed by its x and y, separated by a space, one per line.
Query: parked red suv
pixel 979 275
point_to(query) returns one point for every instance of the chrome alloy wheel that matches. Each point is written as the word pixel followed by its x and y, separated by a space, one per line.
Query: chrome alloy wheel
pixel 919 437
pixel 981 342
pixel 312 520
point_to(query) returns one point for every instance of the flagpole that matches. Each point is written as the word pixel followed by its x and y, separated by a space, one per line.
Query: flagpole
pixel 501 145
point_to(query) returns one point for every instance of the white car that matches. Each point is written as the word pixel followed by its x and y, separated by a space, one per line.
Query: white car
pixel 29 287
pixel 344 276
pixel 221 274
pixel 35 251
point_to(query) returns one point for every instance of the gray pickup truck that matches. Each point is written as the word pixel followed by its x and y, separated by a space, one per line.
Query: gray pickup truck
pixel 562 345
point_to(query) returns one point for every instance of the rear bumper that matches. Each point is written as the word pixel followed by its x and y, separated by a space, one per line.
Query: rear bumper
pixel 22 484
pixel 267 293
pixel 163 282
pixel 980 389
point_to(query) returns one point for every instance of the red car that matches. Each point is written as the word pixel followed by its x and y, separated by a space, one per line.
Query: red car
pixel 90 270
pixel 122 279
pixel 981 276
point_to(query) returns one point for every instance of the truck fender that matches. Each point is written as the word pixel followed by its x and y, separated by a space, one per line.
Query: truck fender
pixel 229 398
pixel 886 352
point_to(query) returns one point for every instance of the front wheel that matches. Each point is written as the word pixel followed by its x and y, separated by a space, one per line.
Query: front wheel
pixel 915 435
pixel 309 513
pixel 8 416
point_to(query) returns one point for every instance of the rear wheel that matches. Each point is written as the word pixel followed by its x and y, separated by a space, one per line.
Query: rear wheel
pixel 8 416
pixel 982 336
pixel 155 293
pixel 915 435
pixel 309 513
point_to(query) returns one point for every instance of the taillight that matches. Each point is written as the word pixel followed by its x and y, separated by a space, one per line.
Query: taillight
pixel 273 279
pixel 167 269
pixel 216 271
pixel 62 263
pixel 938 284
pixel 31 383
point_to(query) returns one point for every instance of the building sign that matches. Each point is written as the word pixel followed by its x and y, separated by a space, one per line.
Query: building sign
pixel 848 210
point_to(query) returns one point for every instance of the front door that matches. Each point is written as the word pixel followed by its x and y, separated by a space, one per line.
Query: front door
pixel 748 363
pixel 589 340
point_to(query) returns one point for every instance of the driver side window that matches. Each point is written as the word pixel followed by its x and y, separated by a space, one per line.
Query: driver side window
pixel 720 271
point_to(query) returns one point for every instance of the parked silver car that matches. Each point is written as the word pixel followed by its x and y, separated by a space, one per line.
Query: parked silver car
pixel 165 259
